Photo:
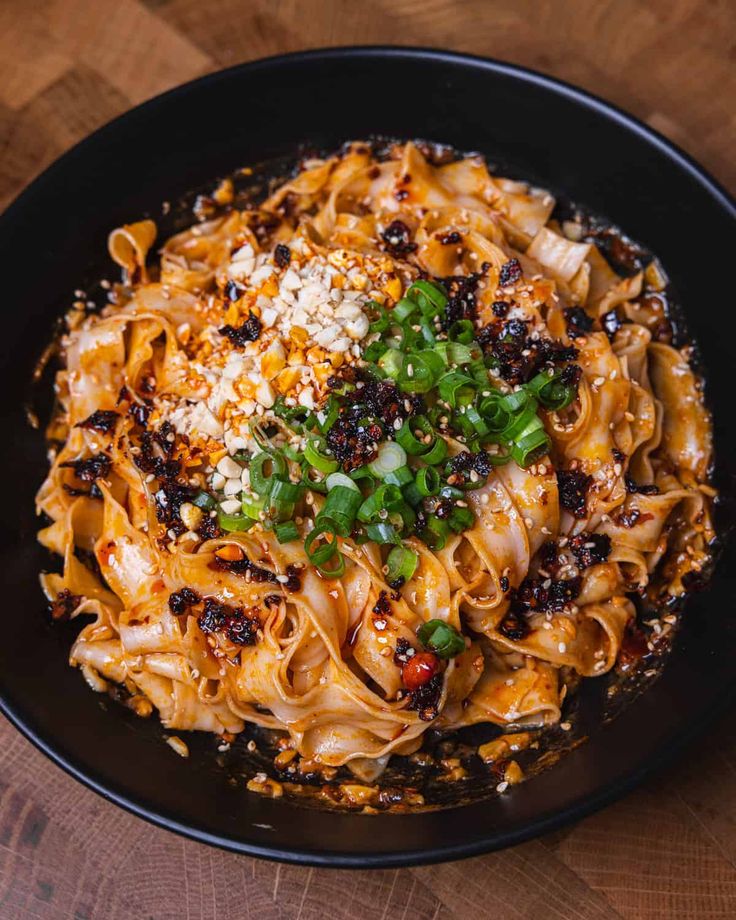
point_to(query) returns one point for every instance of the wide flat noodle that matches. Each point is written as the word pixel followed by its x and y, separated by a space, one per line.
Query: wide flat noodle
pixel 168 376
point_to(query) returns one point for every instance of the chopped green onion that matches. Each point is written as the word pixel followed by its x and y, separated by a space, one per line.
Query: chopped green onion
pixel 295 416
pixel 412 494
pixel 286 532
pixel 391 456
pixel 399 477
pixel 403 516
pixel 461 518
pixel 252 507
pixel 530 447
pixel 340 479
pixel 430 298
pixel 427 331
pixel 478 371
pixel 316 485
pixel 403 308
pixel 435 359
pixel 495 415
pixel 382 320
pixel 261 480
pixel 327 417
pixel 461 423
pixel 401 563
pixel 233 522
pixel 406 438
pixel 515 401
pixel 462 330
pixel 550 391
pixel 291 453
pixel 456 389
pixel 459 353
pixel 282 498
pixel 326 548
pixel 382 533
pixel 437 451
pixel 313 454
pixel 435 534
pixel 442 638
pixel 428 481
pixel 362 472
pixel 386 498
pixel 374 352
pixel 478 423
pixel 415 375
pixel 341 507
pixel 522 423
pixel 283 490
pixel 336 570
pixel 391 363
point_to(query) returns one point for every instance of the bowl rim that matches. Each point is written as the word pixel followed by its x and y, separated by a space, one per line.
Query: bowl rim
pixel 13 709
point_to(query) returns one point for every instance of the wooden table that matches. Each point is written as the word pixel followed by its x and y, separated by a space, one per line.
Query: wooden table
pixel 669 850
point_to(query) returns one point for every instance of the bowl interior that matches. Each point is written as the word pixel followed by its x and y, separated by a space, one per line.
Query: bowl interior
pixel 528 127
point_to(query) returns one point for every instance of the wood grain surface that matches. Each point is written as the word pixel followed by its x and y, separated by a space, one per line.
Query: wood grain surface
pixel 668 850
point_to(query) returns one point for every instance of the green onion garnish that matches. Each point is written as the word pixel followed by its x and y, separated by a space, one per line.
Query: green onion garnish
pixel 436 532
pixel 550 391
pixel 386 498
pixel 456 389
pixel 233 522
pixel 415 375
pixel 382 533
pixel 461 519
pixel 340 479
pixel 263 468
pixel 336 569
pixel 253 506
pixel 286 532
pixel 327 417
pixel 442 638
pixel 402 562
pixel 405 307
pixel 391 457
pixel 382 320
pixel 428 481
pixel 323 534
pixel 407 439
pixel 430 298
pixel 462 330
pixel 315 456
pixel 341 507
pixel 391 363
pixel 400 477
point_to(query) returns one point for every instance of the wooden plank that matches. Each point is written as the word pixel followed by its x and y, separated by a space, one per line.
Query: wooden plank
pixel 67 66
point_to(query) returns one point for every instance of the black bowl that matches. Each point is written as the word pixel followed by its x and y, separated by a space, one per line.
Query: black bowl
pixel 53 239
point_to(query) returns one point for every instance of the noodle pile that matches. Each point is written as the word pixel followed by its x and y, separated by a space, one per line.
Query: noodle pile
pixel 161 409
